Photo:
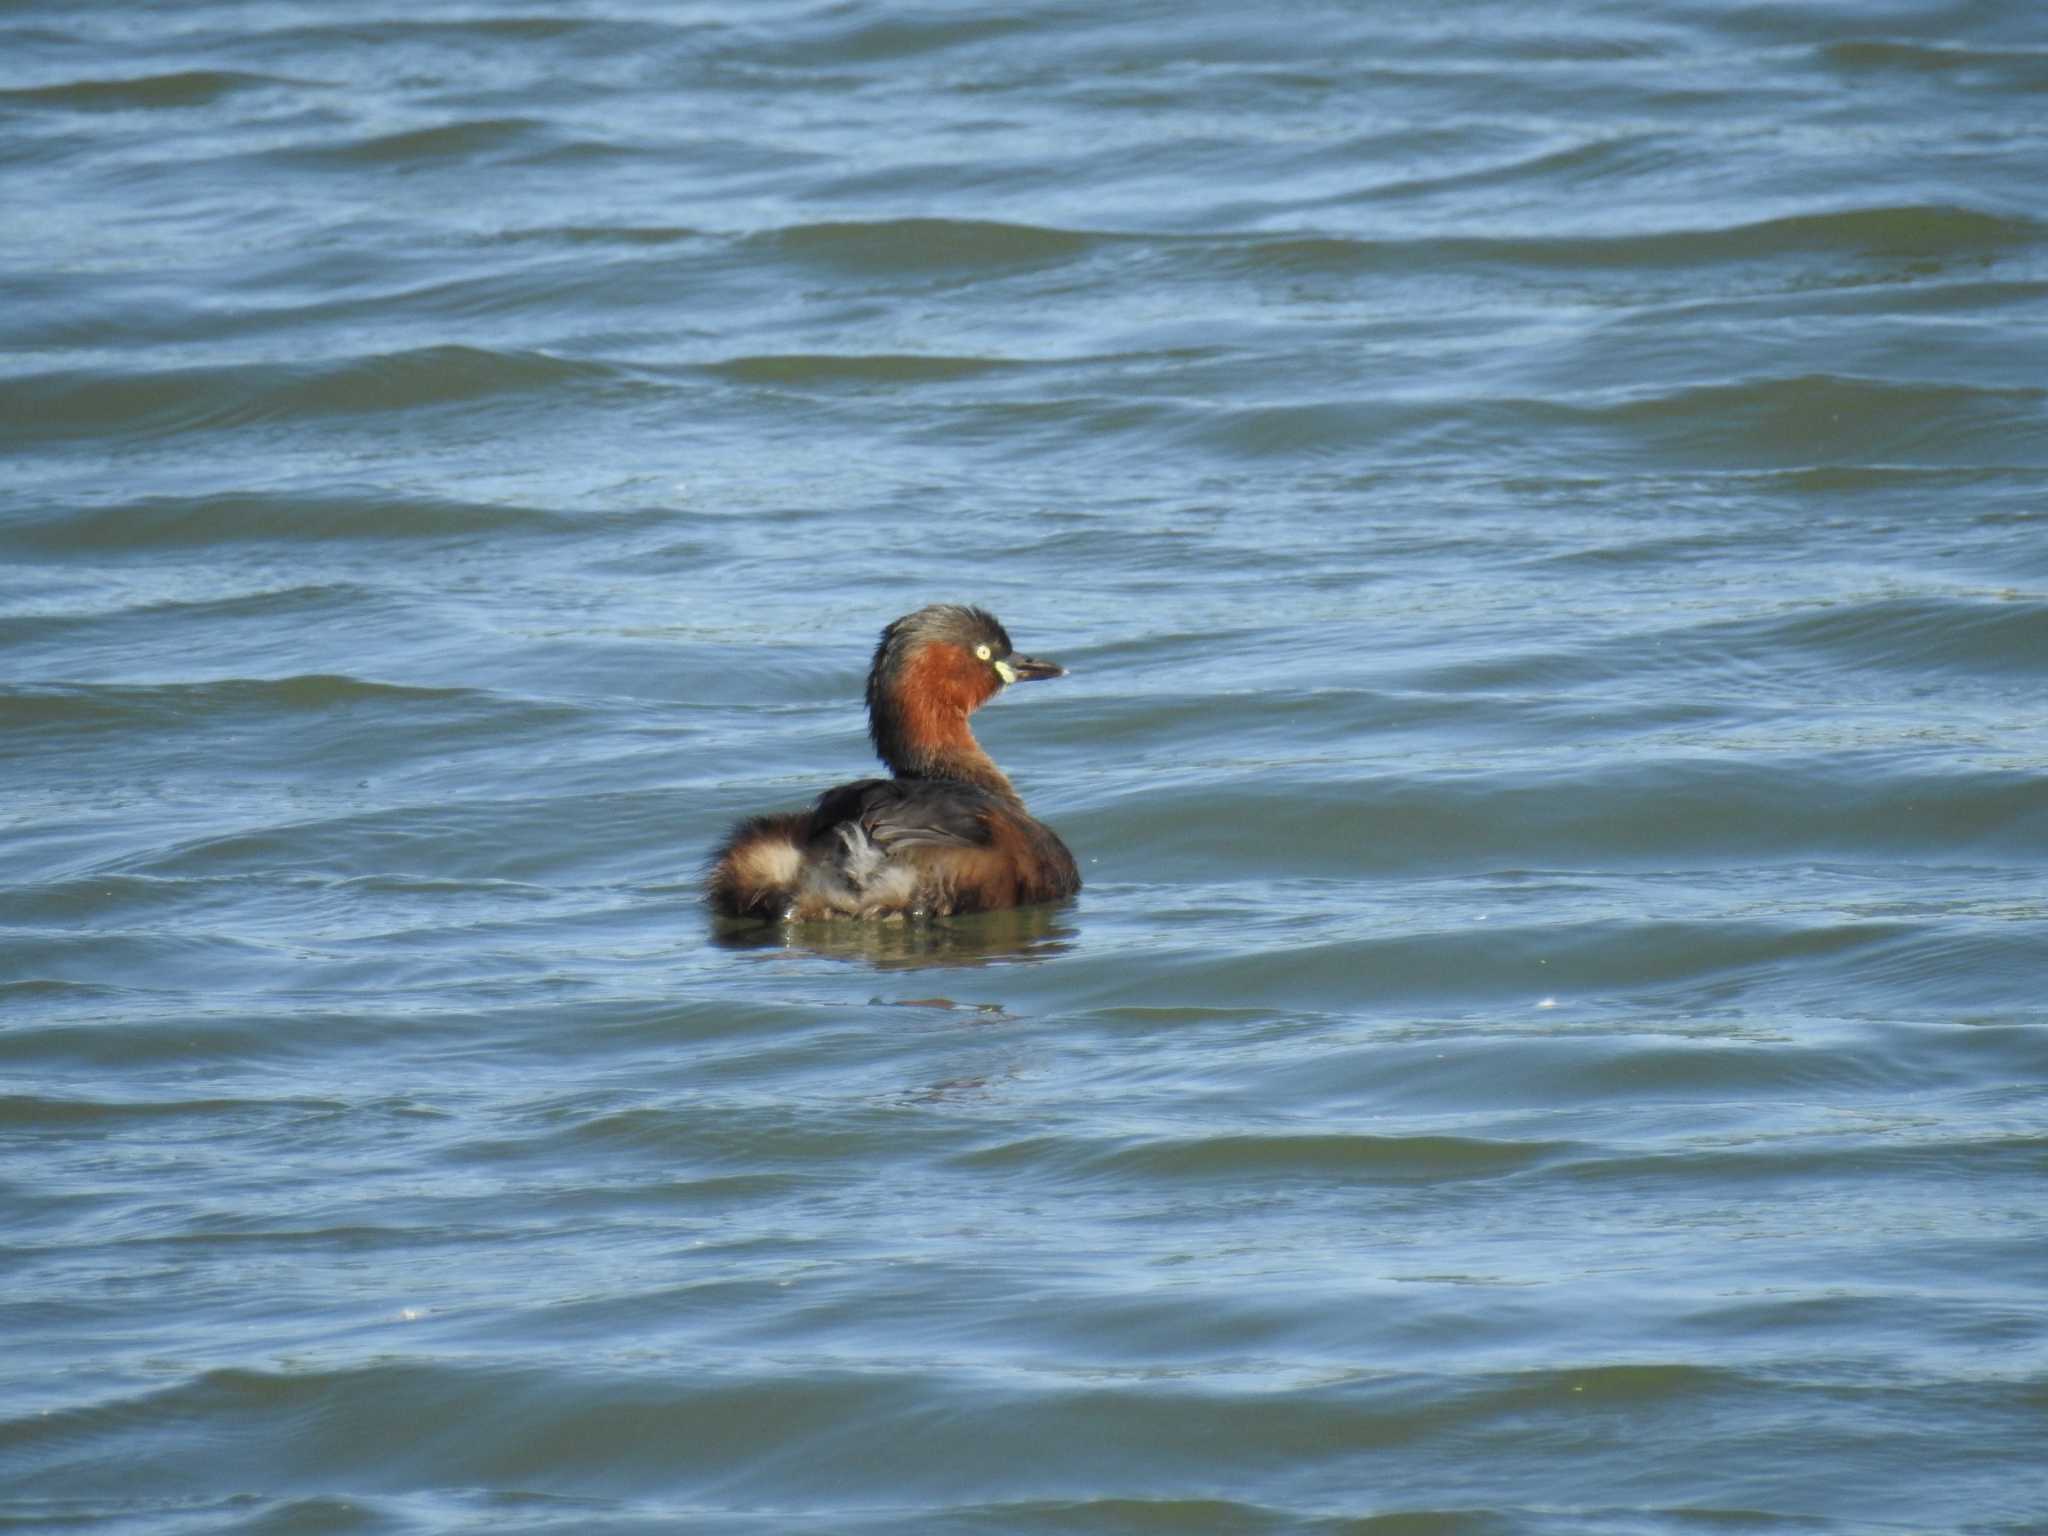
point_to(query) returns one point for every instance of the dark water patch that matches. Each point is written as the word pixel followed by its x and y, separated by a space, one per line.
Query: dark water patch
pixel 1106 423
pixel 337 725
pixel 118 1032
pixel 798 1433
pixel 476 839
pixel 1658 551
pixel 103 898
pixel 1281 1156
pixel 40 150
pixel 2024 70
pixel 254 1515
pixel 432 886
pixel 1319 430
pixel 1906 231
pixel 1644 1072
pixel 1670 813
pixel 813 1139
pixel 1909 230
pixel 1837 1160
pixel 1839 1318
pixel 479 141
pixel 395 33
pixel 181 88
pixel 1581 165
pixel 75 405
pixel 121 957
pixel 596 234
pixel 1191 1516
pixel 1550 1060
pixel 839 39
pixel 115 901
pixel 1921 481
pixel 799 371
pixel 904 1438
pixel 34 1112
pixel 1965 297
pixel 251 1514
pixel 1333 1515
pixel 1918 635
pixel 1950 23
pixel 265 1235
pixel 924 246
pixel 1736 681
pixel 168 704
pixel 267 603
pixel 1757 660
pixel 155 1024
pixel 149 526
pixel 1762 422
pixel 523 296
pixel 40 992
pixel 237 633
pixel 313 1426
pixel 1821 418
pixel 734 1192
pixel 1966 967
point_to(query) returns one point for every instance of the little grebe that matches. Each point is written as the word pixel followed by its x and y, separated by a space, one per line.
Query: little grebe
pixel 947 834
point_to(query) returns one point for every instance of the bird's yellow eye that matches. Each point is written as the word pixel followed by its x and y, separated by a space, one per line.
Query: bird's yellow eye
pixel 983 652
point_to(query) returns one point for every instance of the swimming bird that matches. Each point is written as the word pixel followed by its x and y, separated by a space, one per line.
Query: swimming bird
pixel 947 834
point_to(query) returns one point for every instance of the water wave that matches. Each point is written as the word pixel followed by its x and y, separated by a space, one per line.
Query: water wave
pixel 175 89
pixel 925 245
pixel 104 404
pixel 1929 230
pixel 239 517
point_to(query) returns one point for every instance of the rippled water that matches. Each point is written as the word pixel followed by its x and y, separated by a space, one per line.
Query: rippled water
pixel 1545 508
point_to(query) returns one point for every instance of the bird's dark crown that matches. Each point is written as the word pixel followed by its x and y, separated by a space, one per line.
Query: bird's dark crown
pixel 940 624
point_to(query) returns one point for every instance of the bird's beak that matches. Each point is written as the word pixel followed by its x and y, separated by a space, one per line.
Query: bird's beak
pixel 1027 669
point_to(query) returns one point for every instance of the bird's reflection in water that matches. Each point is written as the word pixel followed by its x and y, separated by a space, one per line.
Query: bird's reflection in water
pixel 1010 935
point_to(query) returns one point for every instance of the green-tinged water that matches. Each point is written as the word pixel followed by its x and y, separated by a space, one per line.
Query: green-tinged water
pixel 1547 514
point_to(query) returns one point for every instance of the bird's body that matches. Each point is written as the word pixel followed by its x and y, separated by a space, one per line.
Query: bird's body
pixel 947 834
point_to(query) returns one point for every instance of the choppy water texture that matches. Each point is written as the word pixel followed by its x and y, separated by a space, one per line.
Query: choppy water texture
pixel 1547 511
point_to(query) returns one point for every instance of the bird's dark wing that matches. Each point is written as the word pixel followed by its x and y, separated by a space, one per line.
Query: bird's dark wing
pixel 899 814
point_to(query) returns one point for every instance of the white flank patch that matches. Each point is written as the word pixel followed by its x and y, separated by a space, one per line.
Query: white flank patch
pixel 773 862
